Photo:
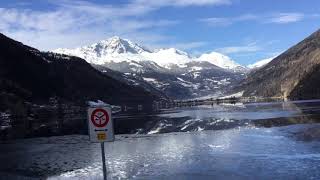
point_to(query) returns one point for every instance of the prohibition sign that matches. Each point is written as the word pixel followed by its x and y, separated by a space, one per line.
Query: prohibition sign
pixel 99 117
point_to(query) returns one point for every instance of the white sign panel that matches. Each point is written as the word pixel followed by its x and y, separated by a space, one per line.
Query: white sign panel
pixel 100 124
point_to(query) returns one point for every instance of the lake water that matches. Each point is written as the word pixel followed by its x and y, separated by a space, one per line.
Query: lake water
pixel 277 140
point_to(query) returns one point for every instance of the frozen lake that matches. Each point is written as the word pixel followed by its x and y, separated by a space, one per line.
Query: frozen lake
pixel 217 142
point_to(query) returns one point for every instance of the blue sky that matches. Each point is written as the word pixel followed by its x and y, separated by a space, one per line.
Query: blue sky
pixel 245 30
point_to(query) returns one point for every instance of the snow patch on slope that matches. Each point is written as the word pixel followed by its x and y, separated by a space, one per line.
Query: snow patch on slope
pixel 260 63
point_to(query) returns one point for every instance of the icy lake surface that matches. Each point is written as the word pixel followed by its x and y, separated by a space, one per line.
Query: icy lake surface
pixel 245 151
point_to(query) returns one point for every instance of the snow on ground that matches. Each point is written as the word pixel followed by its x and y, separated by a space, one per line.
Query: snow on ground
pixel 196 74
pixel 180 79
pixel 195 68
pixel 214 96
pixel 185 83
pixel 159 127
pixel 218 95
pixel 150 80
pixel 135 64
pixel 98 103
pixel 236 95
pixel 224 81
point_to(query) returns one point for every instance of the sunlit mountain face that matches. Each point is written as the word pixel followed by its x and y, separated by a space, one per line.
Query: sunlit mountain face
pixel 175 72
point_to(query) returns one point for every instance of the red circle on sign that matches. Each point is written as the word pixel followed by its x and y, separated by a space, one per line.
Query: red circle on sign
pixel 99 117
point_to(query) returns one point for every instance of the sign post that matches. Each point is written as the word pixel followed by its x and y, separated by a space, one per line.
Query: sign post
pixel 101 129
pixel 104 169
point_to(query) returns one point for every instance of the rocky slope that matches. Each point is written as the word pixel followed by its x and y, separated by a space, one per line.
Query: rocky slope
pixel 293 74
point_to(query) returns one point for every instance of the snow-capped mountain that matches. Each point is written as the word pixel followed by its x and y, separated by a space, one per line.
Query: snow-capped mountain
pixel 220 60
pixel 170 70
pixel 117 50
pixel 260 63
pixel 114 49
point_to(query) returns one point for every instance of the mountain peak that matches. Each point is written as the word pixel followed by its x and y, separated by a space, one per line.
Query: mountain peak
pixel 115 38
pixel 177 51
pixel 118 45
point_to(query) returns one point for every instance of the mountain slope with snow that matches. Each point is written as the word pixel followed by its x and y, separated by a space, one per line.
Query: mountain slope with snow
pixel 172 71
pixel 220 60
pixel 117 50
pixel 168 57
pixel 260 63
pixel 113 49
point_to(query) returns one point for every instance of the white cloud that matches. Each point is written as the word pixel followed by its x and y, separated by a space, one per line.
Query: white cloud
pixel 73 23
pixel 225 21
pixel 123 26
pixel 251 47
pixel 185 46
pixel 284 18
pixel 275 18
pixel 162 3
pixel 214 21
pixel 54 21
pixel 190 45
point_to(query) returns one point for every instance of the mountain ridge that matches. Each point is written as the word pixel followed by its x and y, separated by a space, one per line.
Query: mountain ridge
pixel 117 49
pixel 169 70
pixel 260 63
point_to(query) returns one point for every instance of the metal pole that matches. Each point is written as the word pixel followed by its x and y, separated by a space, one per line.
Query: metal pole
pixel 103 162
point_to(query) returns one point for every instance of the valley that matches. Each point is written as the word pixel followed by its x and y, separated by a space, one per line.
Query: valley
pixel 146 80
pixel 178 75
pixel 159 90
